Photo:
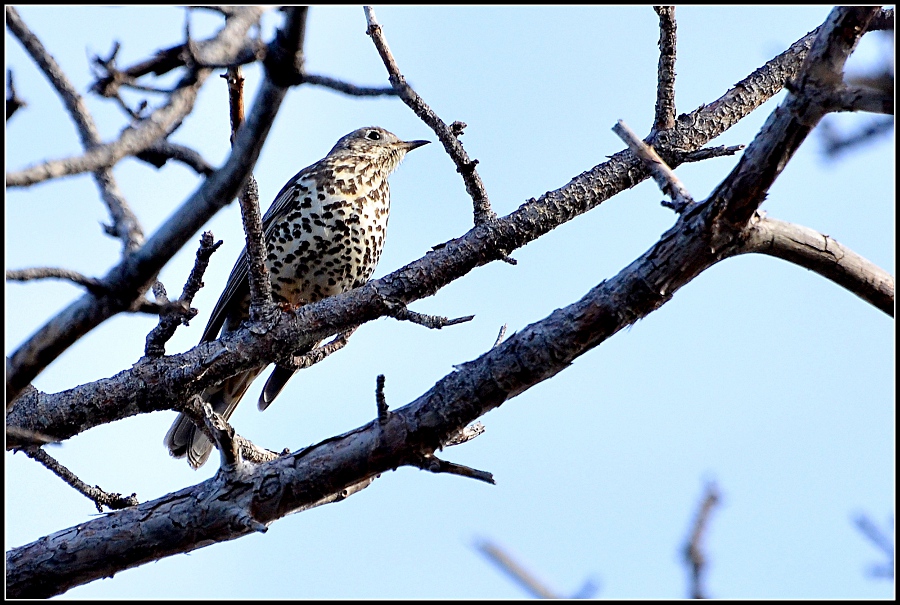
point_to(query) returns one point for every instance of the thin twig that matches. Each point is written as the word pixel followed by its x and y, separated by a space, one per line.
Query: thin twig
pixel 162 151
pixel 433 464
pixel 100 498
pixel 693 550
pixel 835 144
pixel 513 569
pixel 347 88
pixel 92 284
pixel 435 322
pixel 711 152
pixel 125 224
pixel 453 146
pixel 262 308
pixel 881 539
pixel 169 321
pixel 500 336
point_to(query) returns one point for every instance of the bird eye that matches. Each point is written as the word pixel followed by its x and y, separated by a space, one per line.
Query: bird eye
pixel 373 135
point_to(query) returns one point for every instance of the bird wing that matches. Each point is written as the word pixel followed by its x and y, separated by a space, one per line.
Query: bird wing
pixel 238 283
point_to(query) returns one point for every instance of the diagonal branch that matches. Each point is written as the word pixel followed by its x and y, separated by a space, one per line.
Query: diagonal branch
pixel 741 193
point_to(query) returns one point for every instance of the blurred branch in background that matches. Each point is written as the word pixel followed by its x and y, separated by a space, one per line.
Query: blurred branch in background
pixel 882 539
pixel 694 554
pixel 525 579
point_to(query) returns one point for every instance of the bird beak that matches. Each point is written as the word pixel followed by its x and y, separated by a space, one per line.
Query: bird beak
pixel 410 145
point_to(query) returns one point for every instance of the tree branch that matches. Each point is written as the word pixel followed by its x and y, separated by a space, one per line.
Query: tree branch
pixel 823 255
pixel 125 224
pixel 665 88
pixel 450 141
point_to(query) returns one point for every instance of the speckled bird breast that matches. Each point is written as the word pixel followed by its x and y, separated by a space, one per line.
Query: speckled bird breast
pixel 331 238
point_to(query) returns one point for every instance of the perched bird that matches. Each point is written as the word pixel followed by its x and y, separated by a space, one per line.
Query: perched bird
pixel 323 234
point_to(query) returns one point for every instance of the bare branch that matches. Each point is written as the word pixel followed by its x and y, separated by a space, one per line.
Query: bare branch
pixel 665 88
pixel 158 153
pixel 262 308
pixel 861 98
pixel 822 254
pixel 514 570
pixel 435 322
pixel 500 335
pixel 445 263
pixel 169 322
pixel 661 173
pixel 453 146
pixel 882 540
pixel 711 152
pixel 131 142
pixel 740 194
pixel 836 144
pixel 92 284
pixel 228 47
pixel 100 498
pixel 433 464
pixel 348 88
pixel 380 402
pixel 694 554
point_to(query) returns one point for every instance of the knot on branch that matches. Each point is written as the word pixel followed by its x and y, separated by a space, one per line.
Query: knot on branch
pixel 467 168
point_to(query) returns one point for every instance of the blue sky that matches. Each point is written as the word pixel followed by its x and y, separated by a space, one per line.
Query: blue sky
pixel 760 375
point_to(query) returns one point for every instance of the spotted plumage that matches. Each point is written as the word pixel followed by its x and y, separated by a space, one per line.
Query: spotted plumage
pixel 323 234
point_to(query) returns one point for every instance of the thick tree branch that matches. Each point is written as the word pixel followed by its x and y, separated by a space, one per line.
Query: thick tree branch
pixel 739 195
pixel 270 491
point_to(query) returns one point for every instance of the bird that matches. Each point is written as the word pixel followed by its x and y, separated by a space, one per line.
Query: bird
pixel 324 234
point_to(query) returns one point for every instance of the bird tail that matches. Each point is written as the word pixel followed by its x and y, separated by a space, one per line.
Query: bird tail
pixel 279 378
pixel 184 439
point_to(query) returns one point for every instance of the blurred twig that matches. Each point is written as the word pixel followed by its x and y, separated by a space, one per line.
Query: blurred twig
pixel 693 550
